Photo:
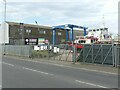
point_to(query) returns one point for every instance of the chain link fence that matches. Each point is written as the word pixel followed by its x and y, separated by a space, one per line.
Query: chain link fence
pixel 54 52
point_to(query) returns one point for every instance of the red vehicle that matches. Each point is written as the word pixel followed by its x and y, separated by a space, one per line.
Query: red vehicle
pixel 78 46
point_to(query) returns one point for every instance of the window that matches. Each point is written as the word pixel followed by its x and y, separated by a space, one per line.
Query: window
pixel 82 41
pixel 42 32
pixel 97 29
pixel 59 33
pixel 28 31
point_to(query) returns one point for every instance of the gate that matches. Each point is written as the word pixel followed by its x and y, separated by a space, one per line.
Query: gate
pixel 107 54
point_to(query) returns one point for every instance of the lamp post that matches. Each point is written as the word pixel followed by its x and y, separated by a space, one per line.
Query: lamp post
pixel 38 29
pixel 4 25
pixel 22 32
pixel 37 24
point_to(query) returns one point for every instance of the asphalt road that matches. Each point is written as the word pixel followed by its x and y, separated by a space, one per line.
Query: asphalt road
pixel 28 74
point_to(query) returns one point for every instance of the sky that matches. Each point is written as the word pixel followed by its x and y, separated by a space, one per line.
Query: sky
pixel 87 13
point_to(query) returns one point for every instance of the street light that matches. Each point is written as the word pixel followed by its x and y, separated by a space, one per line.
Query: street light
pixel 38 25
pixel 22 32
pixel 4 25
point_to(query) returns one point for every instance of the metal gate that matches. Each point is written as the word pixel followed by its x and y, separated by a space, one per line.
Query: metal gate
pixel 99 54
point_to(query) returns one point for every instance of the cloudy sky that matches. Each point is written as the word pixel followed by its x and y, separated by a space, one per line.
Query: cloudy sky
pixel 57 12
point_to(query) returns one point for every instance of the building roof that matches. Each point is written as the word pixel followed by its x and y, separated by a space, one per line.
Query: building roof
pixel 29 25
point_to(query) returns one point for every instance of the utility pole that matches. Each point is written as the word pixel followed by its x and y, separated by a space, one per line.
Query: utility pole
pixel 38 30
pixel 22 33
pixel 37 24
pixel 4 22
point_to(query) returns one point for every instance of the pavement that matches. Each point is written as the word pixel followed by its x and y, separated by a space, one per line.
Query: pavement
pixel 18 72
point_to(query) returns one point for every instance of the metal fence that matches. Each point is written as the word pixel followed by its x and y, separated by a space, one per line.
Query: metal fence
pixel 95 53
pixel 17 50
pixel 99 54
pixel 50 52
pixel 117 55
pixel 54 52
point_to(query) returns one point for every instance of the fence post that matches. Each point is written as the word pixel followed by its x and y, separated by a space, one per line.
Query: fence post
pixel 92 52
pixel 74 54
pixel 113 54
pixel 66 51
pixel 30 51
pixel 102 53
pixel 84 54
pixel 48 50
pixel 118 56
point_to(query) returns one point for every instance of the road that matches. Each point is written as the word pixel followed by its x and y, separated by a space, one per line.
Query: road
pixel 30 74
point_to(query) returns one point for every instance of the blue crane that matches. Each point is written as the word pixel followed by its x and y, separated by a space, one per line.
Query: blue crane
pixel 67 27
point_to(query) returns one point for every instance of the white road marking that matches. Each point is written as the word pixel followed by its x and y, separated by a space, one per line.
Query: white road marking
pixel 71 67
pixel 74 67
pixel 90 84
pixel 28 69
pixel 97 71
pixel 45 63
pixel 8 64
pixel 37 71
pixel 0 86
pixel 58 65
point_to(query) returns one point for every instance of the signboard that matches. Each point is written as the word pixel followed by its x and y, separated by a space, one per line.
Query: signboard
pixel 46 41
pixel 36 48
pixel 31 41
pixel 41 41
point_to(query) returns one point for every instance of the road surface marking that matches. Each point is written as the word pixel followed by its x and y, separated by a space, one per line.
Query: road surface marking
pixel 45 63
pixel 0 86
pixel 8 64
pixel 70 67
pixel 90 84
pixel 37 71
pixel 58 65
pixel 75 67
pixel 96 71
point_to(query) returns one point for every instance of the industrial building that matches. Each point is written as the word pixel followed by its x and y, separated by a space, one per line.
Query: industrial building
pixel 19 33
pixel 25 34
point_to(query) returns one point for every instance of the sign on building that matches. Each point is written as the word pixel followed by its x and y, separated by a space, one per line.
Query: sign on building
pixel 31 41
pixel 41 41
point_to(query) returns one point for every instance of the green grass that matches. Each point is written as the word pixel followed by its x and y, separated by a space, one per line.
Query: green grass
pixel 43 54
